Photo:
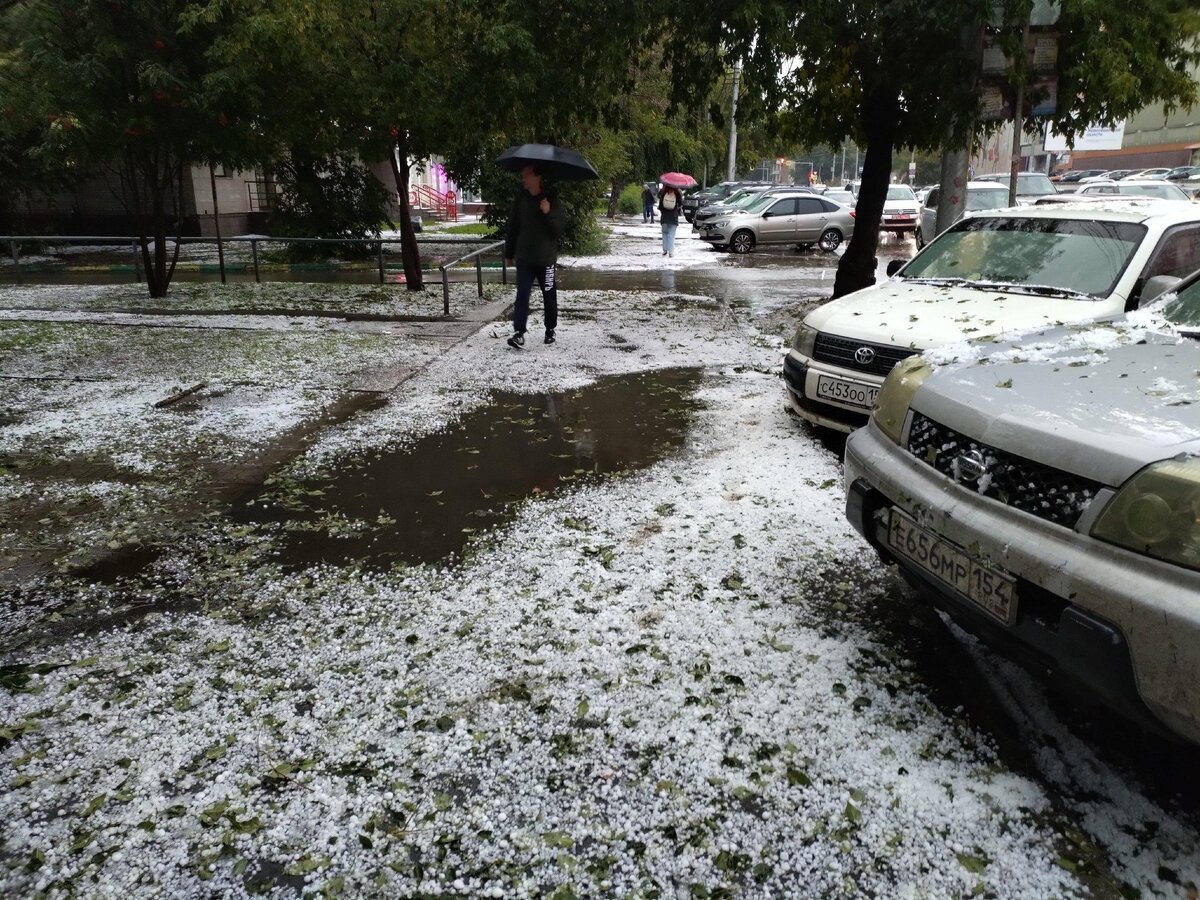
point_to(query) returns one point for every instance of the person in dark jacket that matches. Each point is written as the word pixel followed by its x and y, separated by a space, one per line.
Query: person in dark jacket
pixel 670 203
pixel 647 204
pixel 531 241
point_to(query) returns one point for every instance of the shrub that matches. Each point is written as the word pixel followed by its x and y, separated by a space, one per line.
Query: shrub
pixel 630 202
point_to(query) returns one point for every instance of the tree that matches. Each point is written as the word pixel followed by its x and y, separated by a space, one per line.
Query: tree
pixel 896 73
pixel 133 89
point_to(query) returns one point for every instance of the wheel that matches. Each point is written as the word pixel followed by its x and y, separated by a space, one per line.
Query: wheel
pixel 920 239
pixel 741 242
pixel 831 239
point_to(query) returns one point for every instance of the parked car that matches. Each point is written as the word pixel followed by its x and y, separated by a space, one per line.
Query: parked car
pixel 1078 175
pixel 714 194
pixel 1030 185
pixel 900 210
pixel 998 272
pixel 1046 494
pixel 980 195
pixel 1160 189
pixel 1112 175
pixel 739 198
pixel 1153 174
pixel 839 195
pixel 1181 173
pixel 798 217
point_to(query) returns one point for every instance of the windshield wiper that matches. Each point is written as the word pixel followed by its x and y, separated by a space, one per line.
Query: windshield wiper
pixel 1042 290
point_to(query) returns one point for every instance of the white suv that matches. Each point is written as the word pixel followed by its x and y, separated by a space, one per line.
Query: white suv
pixel 998 272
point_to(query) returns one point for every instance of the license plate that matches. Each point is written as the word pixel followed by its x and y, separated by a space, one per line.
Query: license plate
pixel 852 393
pixel 990 590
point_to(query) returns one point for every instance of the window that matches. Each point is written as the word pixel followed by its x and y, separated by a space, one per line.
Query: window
pixel 932 200
pixel 808 206
pixel 784 207
pixel 1178 253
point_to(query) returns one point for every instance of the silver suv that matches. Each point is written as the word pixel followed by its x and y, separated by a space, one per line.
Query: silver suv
pixel 1046 494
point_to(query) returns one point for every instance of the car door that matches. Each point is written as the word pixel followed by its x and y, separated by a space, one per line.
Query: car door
pixel 929 215
pixel 778 223
pixel 810 219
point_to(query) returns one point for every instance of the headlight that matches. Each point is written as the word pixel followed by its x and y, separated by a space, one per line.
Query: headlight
pixel 805 340
pixel 721 224
pixel 891 406
pixel 1157 512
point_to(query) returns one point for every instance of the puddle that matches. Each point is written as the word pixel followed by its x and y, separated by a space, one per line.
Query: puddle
pixel 422 503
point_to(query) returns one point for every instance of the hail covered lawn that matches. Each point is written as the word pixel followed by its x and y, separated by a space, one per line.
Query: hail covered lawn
pixel 637 687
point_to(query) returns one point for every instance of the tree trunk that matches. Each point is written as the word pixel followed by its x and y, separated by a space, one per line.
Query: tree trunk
pixel 408 238
pixel 614 198
pixel 881 114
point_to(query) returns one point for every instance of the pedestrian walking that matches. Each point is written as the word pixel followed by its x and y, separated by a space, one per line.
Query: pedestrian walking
pixel 670 202
pixel 531 245
pixel 647 205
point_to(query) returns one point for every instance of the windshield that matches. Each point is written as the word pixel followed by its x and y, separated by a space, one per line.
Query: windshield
pixel 901 192
pixel 1162 191
pixel 1071 254
pixel 1033 185
pixel 986 198
pixel 759 203
pixel 1184 308
pixel 746 199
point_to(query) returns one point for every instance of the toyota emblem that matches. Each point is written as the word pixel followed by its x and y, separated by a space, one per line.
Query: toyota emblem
pixel 971 466
pixel 864 356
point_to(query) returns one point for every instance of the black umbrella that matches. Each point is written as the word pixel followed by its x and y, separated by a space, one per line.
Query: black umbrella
pixel 553 162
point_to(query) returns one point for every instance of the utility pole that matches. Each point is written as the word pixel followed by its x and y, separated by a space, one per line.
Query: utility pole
pixel 737 74
pixel 1018 125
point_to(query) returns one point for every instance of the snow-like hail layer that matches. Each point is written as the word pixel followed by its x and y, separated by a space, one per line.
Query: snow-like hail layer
pixel 630 687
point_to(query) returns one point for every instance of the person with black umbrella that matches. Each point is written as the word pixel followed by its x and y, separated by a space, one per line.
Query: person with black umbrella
pixel 531 242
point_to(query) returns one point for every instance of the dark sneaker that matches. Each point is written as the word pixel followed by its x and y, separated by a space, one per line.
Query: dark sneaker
pixel 517 341
pixel 550 336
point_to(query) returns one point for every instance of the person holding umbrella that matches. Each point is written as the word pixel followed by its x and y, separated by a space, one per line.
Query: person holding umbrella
pixel 535 224
pixel 670 202
pixel 531 242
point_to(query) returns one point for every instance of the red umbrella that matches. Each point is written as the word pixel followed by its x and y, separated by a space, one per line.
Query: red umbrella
pixel 677 179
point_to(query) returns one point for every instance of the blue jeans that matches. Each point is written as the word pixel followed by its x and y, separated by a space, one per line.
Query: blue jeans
pixel 648 211
pixel 668 230
pixel 544 276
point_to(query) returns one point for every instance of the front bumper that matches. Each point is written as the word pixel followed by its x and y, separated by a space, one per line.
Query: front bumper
pixel 800 378
pixel 1123 627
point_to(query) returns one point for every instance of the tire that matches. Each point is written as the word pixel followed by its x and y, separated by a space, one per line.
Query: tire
pixel 741 242
pixel 920 239
pixel 831 239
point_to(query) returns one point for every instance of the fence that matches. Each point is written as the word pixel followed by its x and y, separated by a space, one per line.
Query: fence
pixel 15 241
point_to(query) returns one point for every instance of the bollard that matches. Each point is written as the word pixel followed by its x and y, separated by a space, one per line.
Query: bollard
pixel 137 263
pixel 445 291
pixel 380 262
pixel 479 272
pixel 254 256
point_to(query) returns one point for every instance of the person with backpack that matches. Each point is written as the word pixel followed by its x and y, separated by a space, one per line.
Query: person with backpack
pixel 670 203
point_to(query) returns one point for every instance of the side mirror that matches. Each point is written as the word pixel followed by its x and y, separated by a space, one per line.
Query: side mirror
pixel 894 266
pixel 1156 287
pixel 766 215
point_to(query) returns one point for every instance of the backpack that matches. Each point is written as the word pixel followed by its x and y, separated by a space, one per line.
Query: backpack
pixel 668 200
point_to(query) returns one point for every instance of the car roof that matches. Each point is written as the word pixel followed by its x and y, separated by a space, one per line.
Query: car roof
pixel 1133 209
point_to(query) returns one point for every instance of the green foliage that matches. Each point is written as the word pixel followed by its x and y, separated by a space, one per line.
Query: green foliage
pixel 334 197
pixel 630 202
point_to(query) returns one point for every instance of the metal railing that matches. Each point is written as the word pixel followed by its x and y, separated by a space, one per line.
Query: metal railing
pixel 15 241
pixel 478 257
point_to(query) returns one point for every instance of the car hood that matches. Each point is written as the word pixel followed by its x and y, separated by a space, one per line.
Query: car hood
pixel 1101 402
pixel 922 316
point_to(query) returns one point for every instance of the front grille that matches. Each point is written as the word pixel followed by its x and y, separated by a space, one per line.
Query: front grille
pixel 1032 487
pixel 840 352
